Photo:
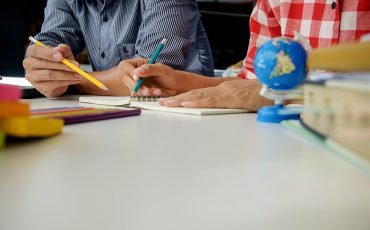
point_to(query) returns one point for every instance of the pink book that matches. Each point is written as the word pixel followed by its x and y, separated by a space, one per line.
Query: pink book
pixel 10 92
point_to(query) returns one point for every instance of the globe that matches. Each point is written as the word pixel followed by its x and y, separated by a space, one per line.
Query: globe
pixel 280 63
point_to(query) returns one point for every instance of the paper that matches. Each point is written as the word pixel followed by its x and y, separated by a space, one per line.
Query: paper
pixel 145 103
pixel 20 81
pixel 106 100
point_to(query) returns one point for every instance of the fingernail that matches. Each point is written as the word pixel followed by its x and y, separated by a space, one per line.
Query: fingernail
pixel 170 103
pixel 75 63
pixel 186 104
pixel 57 57
pixel 162 101
pixel 144 91
pixel 157 92
pixel 78 76
pixel 140 70
pixel 135 77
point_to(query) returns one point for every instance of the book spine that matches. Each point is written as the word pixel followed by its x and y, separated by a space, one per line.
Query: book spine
pixel 343 115
pixel 342 57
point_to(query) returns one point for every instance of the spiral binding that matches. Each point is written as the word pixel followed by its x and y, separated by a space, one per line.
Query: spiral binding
pixel 145 98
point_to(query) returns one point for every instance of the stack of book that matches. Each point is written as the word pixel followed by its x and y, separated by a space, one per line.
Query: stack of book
pixel 337 96
pixel 15 119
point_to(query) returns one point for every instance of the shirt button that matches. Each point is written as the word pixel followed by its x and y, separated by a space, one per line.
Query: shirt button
pixel 333 5
pixel 102 55
pixel 105 18
pixel 124 49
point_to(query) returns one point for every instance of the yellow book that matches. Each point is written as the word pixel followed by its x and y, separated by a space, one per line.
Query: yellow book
pixel 340 111
pixel 12 108
pixel 31 127
pixel 2 140
pixel 346 57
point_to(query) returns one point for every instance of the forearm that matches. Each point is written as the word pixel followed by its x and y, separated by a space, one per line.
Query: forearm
pixel 111 78
pixel 191 81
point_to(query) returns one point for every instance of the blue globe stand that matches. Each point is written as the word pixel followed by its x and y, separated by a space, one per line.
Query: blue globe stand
pixel 280 66
pixel 276 114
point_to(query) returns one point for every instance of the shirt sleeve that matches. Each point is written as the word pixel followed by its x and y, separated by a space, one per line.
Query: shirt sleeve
pixel 60 26
pixel 175 20
pixel 264 24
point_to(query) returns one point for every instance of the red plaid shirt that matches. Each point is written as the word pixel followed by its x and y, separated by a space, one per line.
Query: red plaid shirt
pixel 321 22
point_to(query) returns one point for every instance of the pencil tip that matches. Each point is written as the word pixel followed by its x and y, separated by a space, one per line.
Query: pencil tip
pixel 104 87
pixel 132 93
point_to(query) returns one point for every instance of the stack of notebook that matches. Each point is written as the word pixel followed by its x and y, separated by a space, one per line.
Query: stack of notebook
pixel 337 96
pixel 15 119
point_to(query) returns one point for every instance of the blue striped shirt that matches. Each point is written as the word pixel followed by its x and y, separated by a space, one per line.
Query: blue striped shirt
pixel 115 30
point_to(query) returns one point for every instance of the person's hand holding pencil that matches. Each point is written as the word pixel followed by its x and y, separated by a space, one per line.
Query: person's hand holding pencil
pixel 52 70
pixel 135 82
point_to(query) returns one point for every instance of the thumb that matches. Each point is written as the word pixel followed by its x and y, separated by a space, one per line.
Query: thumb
pixel 65 51
pixel 152 70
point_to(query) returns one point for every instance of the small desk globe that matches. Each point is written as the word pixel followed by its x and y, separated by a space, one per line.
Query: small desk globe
pixel 280 65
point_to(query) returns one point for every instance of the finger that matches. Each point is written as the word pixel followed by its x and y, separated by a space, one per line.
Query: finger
pixel 65 50
pixel 45 53
pixel 129 65
pixel 156 91
pixel 143 91
pixel 128 81
pixel 55 84
pixel 31 63
pixel 136 62
pixel 210 102
pixel 53 88
pixel 152 70
pixel 171 102
pixel 53 75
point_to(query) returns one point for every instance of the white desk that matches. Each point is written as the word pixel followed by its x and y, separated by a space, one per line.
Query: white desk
pixel 163 171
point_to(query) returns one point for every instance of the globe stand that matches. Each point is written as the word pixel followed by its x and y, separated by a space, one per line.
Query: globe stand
pixel 278 112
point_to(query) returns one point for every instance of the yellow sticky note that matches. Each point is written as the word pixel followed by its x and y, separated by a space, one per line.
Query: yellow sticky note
pixel 11 108
pixel 31 127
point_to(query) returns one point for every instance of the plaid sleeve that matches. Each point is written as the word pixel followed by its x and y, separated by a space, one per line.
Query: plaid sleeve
pixel 264 25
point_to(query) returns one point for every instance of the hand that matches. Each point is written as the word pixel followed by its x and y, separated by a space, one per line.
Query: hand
pixel 241 94
pixel 159 79
pixel 46 72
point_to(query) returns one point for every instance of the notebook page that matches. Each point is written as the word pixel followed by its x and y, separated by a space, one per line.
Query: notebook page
pixel 196 111
pixel 106 100
pixel 116 101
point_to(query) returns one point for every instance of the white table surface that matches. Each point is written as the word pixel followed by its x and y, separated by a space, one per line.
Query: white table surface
pixel 163 171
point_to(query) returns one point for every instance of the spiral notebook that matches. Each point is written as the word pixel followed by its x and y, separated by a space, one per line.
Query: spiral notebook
pixel 151 103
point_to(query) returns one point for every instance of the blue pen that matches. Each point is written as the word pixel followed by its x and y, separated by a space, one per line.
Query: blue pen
pixel 151 61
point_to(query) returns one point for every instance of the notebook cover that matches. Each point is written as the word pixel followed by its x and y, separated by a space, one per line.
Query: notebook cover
pixel 73 115
pixel 100 116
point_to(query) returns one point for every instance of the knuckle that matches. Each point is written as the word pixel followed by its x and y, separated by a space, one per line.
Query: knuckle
pixel 122 64
pixel 31 50
pixel 212 100
pixel 29 77
pixel 26 63
pixel 48 73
